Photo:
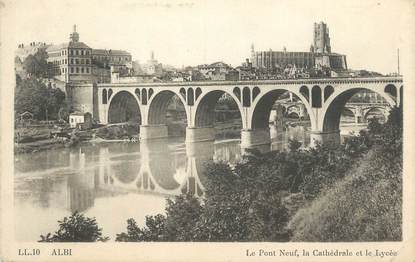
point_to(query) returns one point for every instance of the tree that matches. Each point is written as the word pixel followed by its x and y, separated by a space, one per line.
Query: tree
pixel 36 65
pixel 32 95
pixel 76 228
pixel 179 224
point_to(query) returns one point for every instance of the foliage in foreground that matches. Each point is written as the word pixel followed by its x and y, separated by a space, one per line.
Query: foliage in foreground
pixel 340 197
pixel 349 192
pixel 367 204
pixel 76 228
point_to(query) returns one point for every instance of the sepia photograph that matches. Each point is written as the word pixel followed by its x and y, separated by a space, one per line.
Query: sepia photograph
pixel 194 130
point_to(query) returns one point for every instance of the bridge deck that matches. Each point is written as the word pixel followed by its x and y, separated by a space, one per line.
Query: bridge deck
pixel 308 81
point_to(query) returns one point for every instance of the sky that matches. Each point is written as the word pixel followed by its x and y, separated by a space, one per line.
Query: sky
pixel 192 32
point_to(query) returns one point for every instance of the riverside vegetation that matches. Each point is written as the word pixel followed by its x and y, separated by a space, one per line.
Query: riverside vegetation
pixel 348 192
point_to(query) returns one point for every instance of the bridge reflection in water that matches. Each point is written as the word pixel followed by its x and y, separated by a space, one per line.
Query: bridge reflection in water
pixel 164 168
pixel 126 179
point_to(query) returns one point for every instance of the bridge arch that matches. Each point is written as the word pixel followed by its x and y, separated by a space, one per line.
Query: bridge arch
pixel 104 96
pixel 137 93
pixel 328 90
pixel 316 100
pixel 348 110
pixel 255 92
pixel 198 93
pixel 237 93
pixel 262 107
pixel 144 98
pixel 205 108
pixel 246 97
pixel 110 92
pixel 331 112
pixel 305 92
pixel 289 112
pixel 183 93
pixel 370 110
pixel 124 107
pixel 391 90
pixel 400 96
pixel 190 96
pixel 158 106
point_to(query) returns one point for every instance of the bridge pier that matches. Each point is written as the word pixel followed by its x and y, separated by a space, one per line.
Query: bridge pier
pixel 324 137
pixel 199 134
pixel 274 132
pixel 256 139
pixel 153 132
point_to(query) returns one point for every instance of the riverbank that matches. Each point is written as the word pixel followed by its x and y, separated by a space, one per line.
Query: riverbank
pixel 117 133
pixel 36 146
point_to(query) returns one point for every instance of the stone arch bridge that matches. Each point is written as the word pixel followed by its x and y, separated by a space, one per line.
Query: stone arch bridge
pixel 359 110
pixel 323 99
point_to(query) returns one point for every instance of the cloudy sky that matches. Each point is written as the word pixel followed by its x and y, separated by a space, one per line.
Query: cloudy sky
pixel 191 32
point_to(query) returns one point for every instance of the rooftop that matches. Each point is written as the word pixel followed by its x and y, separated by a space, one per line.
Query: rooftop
pixel 67 45
pixel 109 52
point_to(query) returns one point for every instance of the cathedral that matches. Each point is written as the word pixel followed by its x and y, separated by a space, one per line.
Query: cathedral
pixel 319 56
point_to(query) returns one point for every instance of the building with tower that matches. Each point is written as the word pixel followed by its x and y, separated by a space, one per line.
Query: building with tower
pixel 71 61
pixel 152 67
pixel 321 43
pixel 319 56
pixel 76 62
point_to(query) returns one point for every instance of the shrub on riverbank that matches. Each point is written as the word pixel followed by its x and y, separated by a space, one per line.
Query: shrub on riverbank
pixel 117 131
pixel 76 228
pixel 364 206
pixel 367 204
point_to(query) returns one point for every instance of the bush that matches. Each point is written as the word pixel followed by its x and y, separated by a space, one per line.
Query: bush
pixel 179 224
pixel 76 228
pixel 366 205
pixel 323 194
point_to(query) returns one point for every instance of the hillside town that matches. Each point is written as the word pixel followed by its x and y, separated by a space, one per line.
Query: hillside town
pixel 61 73
pixel 76 61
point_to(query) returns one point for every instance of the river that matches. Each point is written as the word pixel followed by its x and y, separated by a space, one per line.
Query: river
pixel 115 181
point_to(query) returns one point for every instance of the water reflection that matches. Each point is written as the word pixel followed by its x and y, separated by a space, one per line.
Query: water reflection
pixel 125 179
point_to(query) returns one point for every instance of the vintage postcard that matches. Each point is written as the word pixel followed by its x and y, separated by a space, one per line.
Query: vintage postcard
pixel 195 130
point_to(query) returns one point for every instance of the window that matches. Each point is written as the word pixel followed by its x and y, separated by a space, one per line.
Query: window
pixel 82 70
pixel 72 70
pixel 87 61
pixel 77 70
pixel 66 61
pixel 87 70
pixel 82 61
pixel 71 52
pixel 71 120
pixel 82 52
pixel 76 61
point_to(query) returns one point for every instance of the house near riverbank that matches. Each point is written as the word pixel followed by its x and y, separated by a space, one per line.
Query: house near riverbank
pixel 80 120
